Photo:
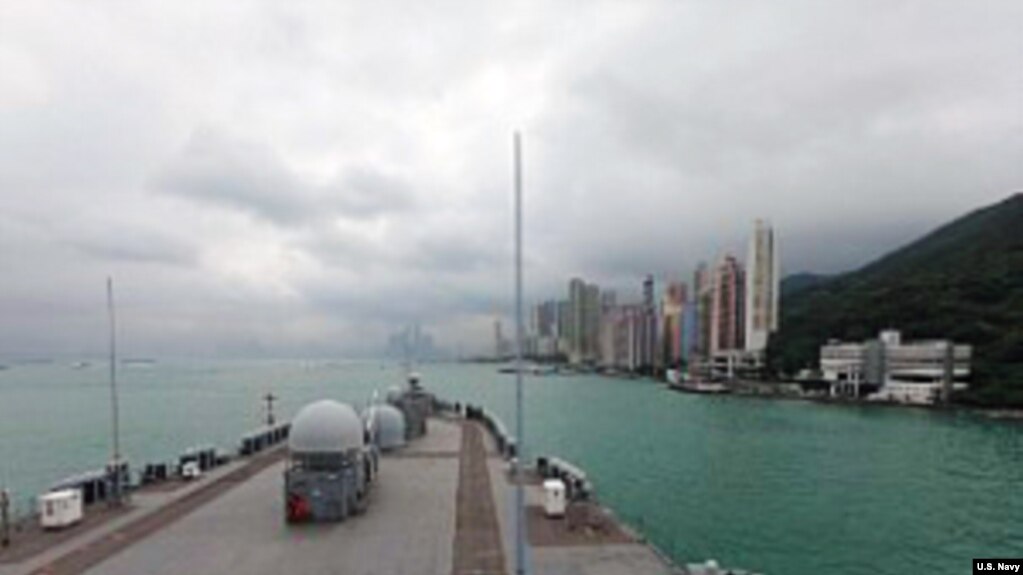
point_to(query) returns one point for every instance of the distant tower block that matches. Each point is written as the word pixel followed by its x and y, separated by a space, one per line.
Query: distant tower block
pixel 499 345
pixel 726 329
pixel 762 289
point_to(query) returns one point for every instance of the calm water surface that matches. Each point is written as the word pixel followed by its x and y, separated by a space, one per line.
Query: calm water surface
pixel 782 487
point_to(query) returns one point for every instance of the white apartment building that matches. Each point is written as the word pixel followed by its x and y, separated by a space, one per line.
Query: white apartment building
pixel 762 287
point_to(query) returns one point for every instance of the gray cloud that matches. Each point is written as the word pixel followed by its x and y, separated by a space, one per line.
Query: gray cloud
pixel 238 175
pixel 303 180
pixel 252 178
pixel 364 191
pixel 134 244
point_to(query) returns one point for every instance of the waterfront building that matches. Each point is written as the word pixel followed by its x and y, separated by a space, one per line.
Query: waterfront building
pixel 606 351
pixel 591 322
pixel 727 359
pixel 542 341
pixel 501 345
pixel 547 347
pixel 622 340
pixel 889 369
pixel 412 343
pixel 610 320
pixel 726 322
pixel 627 336
pixel 576 287
pixel 605 327
pixel 547 319
pixel 762 287
pixel 608 301
pixel 703 300
pixel 584 321
pixel 735 364
pixel 647 342
pixel 672 307
pixel 564 327
pixel 690 330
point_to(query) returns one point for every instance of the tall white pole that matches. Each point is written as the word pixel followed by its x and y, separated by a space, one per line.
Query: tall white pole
pixel 520 510
pixel 114 415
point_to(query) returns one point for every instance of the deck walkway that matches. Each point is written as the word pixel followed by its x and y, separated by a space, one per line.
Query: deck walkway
pixel 477 544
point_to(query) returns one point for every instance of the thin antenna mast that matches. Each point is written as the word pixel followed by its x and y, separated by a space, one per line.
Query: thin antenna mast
pixel 520 511
pixel 269 398
pixel 114 415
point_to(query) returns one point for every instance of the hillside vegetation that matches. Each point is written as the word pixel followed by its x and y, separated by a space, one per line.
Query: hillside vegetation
pixel 963 281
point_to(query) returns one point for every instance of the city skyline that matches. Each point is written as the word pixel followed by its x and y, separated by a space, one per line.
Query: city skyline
pixel 718 327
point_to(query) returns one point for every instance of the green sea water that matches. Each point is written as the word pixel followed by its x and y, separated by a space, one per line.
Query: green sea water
pixel 777 486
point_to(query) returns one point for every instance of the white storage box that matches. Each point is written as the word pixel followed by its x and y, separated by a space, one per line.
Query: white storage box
pixel 191 470
pixel 554 497
pixel 60 508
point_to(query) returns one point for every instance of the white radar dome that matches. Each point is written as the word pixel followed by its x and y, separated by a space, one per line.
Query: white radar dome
pixel 388 423
pixel 325 426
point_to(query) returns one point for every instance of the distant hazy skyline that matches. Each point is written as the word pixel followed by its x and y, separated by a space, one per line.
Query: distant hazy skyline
pixel 305 179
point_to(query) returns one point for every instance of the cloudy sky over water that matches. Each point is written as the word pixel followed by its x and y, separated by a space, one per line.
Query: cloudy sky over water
pixel 303 178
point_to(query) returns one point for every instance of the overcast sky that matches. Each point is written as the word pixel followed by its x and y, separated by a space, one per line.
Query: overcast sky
pixel 303 178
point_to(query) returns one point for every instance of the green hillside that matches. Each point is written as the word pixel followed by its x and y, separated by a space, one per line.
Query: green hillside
pixel 963 281
pixel 798 282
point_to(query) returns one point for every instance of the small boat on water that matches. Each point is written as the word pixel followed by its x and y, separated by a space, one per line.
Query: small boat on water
pixel 706 387
pixel 674 376
pixel 530 370
pixel 711 567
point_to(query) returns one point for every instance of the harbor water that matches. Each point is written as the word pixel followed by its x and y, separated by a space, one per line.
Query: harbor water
pixel 783 487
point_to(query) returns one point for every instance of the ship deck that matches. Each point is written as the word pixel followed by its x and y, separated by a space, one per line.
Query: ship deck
pixel 441 505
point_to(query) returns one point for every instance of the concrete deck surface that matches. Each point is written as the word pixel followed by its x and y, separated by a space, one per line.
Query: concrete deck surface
pixel 142 504
pixel 443 438
pixel 408 528
pixel 601 559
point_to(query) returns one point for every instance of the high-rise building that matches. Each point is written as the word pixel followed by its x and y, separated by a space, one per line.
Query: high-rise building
pixel 591 322
pixel 622 330
pixel 543 335
pixel 690 330
pixel 576 295
pixel 703 299
pixel 500 346
pixel 608 300
pixel 412 343
pixel 547 319
pixel 727 326
pixel 584 321
pixel 672 307
pixel 762 291
pixel 648 328
pixel 564 323
pixel 648 291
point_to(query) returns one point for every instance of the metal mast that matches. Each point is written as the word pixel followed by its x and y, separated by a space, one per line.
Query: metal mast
pixel 520 511
pixel 114 415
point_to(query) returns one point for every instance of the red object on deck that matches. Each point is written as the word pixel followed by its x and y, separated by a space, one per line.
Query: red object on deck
pixel 297 509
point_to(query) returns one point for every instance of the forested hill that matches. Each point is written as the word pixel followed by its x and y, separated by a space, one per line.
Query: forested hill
pixel 963 281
